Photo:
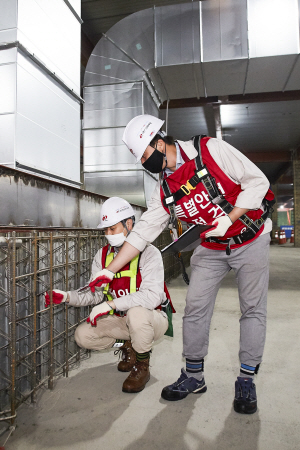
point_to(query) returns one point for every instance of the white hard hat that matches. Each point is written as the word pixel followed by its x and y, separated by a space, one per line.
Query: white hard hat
pixel 139 132
pixel 114 210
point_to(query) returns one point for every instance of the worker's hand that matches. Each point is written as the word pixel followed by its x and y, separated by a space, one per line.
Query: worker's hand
pixel 103 277
pixel 221 226
pixel 57 297
pixel 98 311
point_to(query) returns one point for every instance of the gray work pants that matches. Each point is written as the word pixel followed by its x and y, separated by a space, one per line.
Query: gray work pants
pixel 251 266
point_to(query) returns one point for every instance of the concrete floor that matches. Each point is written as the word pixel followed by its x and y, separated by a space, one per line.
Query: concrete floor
pixel 89 411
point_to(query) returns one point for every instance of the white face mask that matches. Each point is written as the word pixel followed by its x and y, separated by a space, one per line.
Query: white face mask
pixel 116 240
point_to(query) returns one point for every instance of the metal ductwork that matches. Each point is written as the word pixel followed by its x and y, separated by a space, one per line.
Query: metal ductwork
pixel 40 88
pixel 197 49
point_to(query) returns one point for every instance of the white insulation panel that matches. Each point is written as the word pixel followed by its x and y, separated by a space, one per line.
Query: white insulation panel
pixel 47 124
pixel 52 32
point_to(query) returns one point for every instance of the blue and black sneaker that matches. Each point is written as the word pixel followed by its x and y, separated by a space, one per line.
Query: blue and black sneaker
pixel 182 387
pixel 245 401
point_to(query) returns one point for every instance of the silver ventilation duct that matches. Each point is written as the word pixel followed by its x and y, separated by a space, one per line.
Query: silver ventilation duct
pixel 197 49
pixel 40 87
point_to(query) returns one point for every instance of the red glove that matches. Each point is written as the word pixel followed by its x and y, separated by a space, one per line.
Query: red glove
pixel 57 297
pixel 103 277
pixel 98 311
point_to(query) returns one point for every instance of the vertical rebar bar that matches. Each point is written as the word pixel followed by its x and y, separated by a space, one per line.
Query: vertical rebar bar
pixel 66 316
pixel 51 351
pixel 34 346
pixel 12 319
pixel 77 312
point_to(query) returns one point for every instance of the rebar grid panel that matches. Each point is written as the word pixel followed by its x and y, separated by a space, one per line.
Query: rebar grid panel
pixel 37 343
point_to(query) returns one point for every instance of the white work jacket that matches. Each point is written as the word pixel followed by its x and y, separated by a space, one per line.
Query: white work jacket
pixel 150 294
pixel 233 163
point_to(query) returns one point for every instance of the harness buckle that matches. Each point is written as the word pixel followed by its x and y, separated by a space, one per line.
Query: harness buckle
pixel 187 188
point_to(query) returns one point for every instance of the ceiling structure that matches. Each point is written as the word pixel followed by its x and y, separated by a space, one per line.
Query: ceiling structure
pixel 264 126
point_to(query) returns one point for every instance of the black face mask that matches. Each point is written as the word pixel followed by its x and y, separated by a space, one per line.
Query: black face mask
pixel 155 162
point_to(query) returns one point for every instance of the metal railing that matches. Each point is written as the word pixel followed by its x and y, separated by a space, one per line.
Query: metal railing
pixel 37 343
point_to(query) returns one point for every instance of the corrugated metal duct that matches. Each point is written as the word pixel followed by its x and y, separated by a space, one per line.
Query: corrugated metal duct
pixel 197 49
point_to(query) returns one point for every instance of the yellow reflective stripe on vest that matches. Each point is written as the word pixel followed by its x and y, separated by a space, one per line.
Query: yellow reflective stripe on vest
pixel 132 273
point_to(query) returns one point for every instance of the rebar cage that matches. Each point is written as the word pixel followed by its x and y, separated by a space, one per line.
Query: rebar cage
pixel 37 343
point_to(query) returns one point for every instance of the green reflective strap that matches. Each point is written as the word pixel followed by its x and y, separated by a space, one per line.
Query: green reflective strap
pixel 134 268
pixel 132 273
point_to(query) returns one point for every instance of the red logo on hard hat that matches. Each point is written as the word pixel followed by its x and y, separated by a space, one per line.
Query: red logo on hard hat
pixel 104 218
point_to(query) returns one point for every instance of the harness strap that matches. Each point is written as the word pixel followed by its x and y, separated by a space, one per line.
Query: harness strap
pixel 170 206
pixel 253 227
pixel 202 175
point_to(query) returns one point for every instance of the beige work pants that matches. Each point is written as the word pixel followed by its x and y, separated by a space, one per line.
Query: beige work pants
pixel 140 325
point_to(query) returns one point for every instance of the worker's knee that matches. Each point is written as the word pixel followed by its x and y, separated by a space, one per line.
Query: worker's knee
pixel 80 336
pixel 138 316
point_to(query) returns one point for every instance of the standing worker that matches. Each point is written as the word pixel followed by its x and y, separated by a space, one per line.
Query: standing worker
pixel 128 312
pixel 207 181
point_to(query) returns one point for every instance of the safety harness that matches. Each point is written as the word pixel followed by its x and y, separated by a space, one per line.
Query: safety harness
pixel 131 273
pixel 166 306
pixel 202 175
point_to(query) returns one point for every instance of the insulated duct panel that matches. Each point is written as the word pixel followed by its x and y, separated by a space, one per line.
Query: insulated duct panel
pixel 273 27
pixel 276 70
pixel 137 44
pixel 177 34
pixel 108 165
pixel 293 80
pixel 108 65
pixel 133 185
pixel 76 5
pixel 52 33
pixel 225 77
pixel 7 88
pixel 111 105
pixel 224 30
pixel 184 81
pixel 39 78
pixel 8 21
pixel 7 147
pixel 47 139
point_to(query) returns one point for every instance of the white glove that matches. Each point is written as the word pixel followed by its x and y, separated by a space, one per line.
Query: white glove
pixel 221 226
pixel 98 311
pixel 103 277
pixel 57 297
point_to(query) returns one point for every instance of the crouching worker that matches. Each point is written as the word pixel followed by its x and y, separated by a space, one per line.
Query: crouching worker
pixel 128 311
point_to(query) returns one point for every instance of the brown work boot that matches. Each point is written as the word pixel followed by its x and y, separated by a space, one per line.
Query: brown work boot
pixel 138 377
pixel 128 357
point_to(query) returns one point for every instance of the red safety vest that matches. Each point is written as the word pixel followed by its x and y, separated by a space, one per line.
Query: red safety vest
pixel 196 207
